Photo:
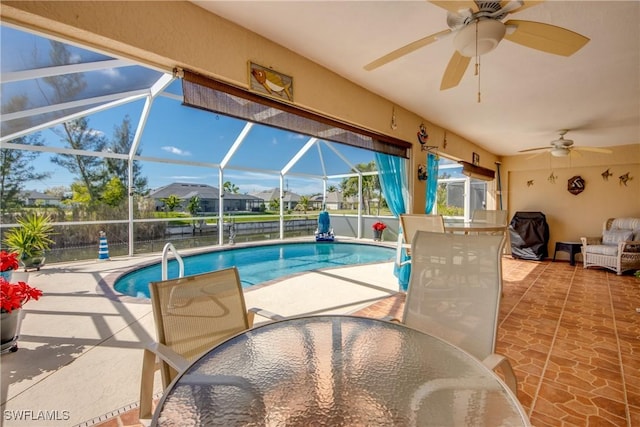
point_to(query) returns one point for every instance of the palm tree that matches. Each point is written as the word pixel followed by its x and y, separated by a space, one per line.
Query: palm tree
pixel 172 202
pixel 229 187
pixel 303 204
pixel 370 185
pixel 194 207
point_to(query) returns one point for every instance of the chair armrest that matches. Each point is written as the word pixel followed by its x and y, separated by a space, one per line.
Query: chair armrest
pixel 152 352
pixel 591 240
pixel 630 246
pixel 495 361
pixel 262 312
pixel 166 354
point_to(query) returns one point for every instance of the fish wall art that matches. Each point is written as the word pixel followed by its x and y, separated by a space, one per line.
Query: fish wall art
pixel 269 82
pixel 625 178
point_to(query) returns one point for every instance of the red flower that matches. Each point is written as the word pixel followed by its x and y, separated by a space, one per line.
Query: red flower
pixel 379 226
pixel 15 295
pixel 8 261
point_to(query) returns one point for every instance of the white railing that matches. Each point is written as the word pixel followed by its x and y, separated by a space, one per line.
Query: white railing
pixel 165 262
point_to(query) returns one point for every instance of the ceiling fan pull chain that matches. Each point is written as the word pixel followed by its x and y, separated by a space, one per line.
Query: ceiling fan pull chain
pixel 477 56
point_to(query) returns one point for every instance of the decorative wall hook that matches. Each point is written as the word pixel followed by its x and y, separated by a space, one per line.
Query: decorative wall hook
pixel 394 124
pixel 606 174
pixel 552 178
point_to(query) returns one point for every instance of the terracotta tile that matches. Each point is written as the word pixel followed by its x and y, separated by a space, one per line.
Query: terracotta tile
pixel 113 422
pixel 634 412
pixel 572 337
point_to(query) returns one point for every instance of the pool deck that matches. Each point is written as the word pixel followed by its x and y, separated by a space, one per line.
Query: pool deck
pixel 80 356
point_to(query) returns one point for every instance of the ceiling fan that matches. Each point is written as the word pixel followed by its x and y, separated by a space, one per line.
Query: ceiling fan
pixel 562 147
pixel 478 29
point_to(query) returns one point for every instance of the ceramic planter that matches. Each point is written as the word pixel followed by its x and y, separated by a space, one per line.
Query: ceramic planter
pixel 34 262
pixel 9 323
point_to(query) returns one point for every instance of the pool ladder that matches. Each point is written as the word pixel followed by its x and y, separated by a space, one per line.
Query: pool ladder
pixel 165 261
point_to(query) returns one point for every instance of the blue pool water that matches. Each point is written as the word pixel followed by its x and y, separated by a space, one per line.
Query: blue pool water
pixel 259 264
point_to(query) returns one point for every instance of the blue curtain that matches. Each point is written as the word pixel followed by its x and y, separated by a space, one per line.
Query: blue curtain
pixel 432 183
pixel 393 181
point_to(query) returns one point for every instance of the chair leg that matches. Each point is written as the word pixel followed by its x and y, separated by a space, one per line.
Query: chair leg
pixel 146 384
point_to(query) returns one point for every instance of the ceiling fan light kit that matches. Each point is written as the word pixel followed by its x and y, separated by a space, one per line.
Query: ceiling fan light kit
pixel 562 147
pixel 479 38
pixel 559 152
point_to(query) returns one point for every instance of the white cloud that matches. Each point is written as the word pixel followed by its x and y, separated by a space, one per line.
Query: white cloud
pixel 186 177
pixel 112 73
pixel 176 150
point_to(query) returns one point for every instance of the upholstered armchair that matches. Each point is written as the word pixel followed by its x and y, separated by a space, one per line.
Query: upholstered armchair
pixel 618 248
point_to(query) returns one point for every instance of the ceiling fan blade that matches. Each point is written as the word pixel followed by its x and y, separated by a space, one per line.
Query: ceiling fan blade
pixel 545 37
pixel 534 149
pixel 455 6
pixel 455 70
pixel 535 155
pixel 405 50
pixel 594 149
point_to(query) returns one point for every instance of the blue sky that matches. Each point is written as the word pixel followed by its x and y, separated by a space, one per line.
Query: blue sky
pixel 172 131
pixel 176 132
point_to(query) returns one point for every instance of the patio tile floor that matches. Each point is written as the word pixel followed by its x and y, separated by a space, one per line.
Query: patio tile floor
pixel 573 338
pixel 572 335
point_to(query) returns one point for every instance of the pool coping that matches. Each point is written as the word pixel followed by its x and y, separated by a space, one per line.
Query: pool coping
pixel 106 285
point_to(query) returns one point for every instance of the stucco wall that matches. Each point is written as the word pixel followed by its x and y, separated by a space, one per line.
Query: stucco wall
pixel 528 187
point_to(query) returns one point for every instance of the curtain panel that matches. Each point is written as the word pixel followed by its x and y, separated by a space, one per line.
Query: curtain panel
pixel 393 181
pixel 432 183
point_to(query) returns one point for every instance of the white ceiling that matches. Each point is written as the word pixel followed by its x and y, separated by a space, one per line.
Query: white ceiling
pixel 527 95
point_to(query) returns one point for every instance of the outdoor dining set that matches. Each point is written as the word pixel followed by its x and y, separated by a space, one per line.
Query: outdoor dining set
pixel 436 365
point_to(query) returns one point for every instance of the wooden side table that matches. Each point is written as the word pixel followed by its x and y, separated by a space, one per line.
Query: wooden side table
pixel 572 247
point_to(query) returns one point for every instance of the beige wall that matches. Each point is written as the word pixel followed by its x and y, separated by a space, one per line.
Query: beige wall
pixel 179 34
pixel 572 216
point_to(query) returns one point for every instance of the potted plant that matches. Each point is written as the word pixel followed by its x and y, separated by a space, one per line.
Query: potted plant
pixel 13 296
pixel 31 239
pixel 378 228
pixel 8 263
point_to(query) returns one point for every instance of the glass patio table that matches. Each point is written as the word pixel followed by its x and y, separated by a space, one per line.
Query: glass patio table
pixel 337 371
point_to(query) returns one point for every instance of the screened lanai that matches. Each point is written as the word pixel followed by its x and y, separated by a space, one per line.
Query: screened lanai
pixel 62 101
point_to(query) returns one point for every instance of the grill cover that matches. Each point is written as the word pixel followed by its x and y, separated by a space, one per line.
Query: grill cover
pixel 529 234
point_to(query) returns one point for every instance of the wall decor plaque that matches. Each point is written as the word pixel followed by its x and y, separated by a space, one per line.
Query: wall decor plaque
pixel 575 185
pixel 269 82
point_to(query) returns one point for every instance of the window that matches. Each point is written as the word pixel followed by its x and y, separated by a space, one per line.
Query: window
pixel 458 195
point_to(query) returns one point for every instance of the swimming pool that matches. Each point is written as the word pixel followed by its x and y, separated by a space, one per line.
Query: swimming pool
pixel 259 264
